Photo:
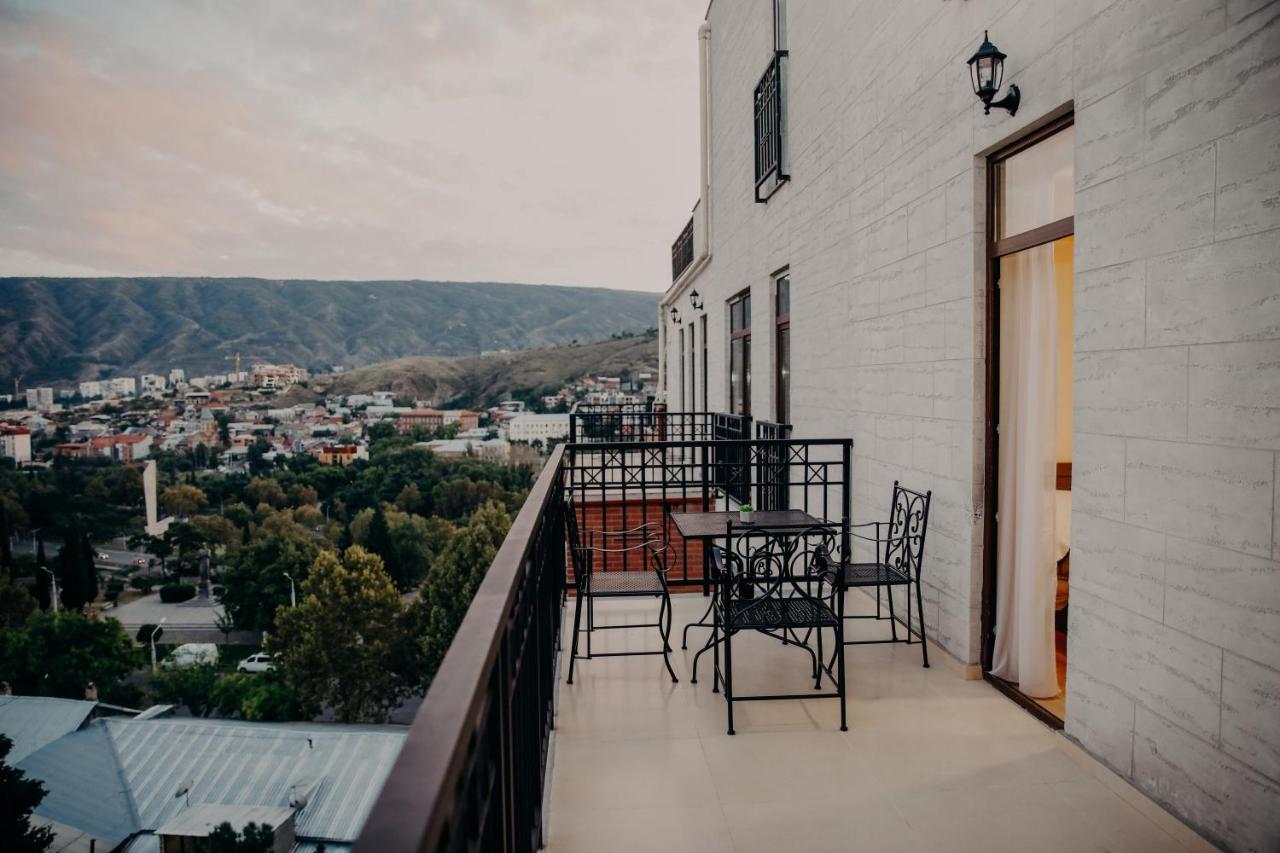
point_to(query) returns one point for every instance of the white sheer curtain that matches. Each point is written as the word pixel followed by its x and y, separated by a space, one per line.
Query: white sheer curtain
pixel 1026 579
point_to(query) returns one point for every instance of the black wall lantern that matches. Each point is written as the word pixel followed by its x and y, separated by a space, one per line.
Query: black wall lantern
pixel 986 69
pixel 695 299
pixel 675 316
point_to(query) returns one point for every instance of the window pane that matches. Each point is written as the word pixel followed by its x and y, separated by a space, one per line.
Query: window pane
pixel 784 375
pixel 1036 186
pixel 735 375
pixel 746 375
pixel 783 306
pixel 746 311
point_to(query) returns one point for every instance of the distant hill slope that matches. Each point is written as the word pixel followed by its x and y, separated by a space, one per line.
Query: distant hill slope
pixel 62 330
pixel 476 381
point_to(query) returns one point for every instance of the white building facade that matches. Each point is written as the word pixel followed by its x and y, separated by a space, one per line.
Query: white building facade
pixel 853 292
pixel 529 427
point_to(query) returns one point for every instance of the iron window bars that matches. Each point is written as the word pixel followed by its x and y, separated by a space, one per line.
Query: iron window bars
pixel 770 143
pixel 682 251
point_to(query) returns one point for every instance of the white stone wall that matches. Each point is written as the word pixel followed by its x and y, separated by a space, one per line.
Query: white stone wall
pixel 1174 656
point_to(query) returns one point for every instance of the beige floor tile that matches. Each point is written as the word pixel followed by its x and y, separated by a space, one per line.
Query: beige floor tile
pixel 646 830
pixel 930 762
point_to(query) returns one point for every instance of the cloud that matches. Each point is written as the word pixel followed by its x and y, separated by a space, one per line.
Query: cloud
pixel 519 140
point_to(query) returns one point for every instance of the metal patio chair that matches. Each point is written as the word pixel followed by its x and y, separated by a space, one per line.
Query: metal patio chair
pixel 899 557
pixel 592 581
pixel 784 585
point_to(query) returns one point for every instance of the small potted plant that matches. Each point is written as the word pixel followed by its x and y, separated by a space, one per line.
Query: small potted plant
pixel 744 513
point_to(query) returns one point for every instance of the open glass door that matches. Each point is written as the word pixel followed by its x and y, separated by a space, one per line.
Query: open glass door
pixel 1027 581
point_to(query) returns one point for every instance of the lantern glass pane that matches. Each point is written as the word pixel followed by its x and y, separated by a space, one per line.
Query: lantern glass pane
pixel 984 72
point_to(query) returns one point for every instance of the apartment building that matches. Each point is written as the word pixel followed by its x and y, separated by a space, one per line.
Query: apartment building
pixel 543 428
pixel 276 376
pixel 427 419
pixel 15 443
pixel 40 399
pixel 1000 244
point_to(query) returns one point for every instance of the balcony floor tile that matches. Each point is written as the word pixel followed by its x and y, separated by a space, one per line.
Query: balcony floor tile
pixel 930 762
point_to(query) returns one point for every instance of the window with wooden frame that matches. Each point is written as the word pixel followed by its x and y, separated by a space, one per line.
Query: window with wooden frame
pixel 740 354
pixel 782 347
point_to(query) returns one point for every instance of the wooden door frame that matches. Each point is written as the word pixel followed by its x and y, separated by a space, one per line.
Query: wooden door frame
pixel 993 250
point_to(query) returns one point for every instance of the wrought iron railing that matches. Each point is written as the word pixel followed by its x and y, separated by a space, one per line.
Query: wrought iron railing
pixel 596 425
pixel 770 122
pixel 682 251
pixel 622 485
pixel 472 771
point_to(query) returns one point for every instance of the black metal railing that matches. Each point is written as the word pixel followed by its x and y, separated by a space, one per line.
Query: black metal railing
pixel 768 461
pixel 769 126
pixel 622 485
pixel 682 251
pixel 472 771
pixel 596 425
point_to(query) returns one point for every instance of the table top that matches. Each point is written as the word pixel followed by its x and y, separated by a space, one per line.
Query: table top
pixel 711 525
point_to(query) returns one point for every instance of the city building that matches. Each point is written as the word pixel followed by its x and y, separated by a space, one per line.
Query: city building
pixel 340 454
pixel 465 419
pixel 91 390
pixel 153 383
pixel 427 419
pixel 492 449
pixel 542 428
pixel 122 448
pixel 177 375
pixel 40 399
pixel 277 376
pixel 15 443
pixel 123 386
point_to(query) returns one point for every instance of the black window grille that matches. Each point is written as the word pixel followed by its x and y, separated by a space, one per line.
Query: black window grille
pixel 769 124
pixel 682 251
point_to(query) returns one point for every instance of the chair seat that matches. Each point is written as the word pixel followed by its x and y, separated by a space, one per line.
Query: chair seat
pixel 625 583
pixel 872 574
pixel 780 613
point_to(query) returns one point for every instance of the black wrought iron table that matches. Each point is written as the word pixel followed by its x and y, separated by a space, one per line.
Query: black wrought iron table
pixel 706 527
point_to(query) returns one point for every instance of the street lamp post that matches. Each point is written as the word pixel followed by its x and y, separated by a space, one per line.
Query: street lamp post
pixel 293 598
pixel 154 631
pixel 53 596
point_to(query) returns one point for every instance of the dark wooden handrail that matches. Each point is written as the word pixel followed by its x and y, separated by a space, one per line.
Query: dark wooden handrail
pixel 457 767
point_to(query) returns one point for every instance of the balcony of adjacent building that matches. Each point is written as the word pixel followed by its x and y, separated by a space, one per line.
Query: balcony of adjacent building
pixel 633 754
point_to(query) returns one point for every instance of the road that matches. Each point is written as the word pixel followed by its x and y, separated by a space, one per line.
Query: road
pixel 117 558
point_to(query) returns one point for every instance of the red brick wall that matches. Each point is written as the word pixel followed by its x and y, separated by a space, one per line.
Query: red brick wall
pixel 683 557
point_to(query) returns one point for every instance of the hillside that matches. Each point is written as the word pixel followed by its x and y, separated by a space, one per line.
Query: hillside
pixel 474 381
pixel 65 330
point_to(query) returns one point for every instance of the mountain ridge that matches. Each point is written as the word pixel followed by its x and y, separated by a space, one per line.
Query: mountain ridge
pixel 63 330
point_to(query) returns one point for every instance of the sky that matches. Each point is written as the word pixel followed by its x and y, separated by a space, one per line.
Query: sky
pixel 545 141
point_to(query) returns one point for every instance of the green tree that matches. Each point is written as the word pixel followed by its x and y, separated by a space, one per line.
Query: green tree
pixel 183 500
pixel 432 620
pixel 58 654
pixel 19 797
pixel 378 541
pixel 255 585
pixel 254 838
pixel 263 490
pixel 337 647
pixel 191 686
pixel 16 603
pixel 77 573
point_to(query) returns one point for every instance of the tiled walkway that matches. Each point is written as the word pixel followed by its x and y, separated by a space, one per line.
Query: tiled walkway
pixel 930 761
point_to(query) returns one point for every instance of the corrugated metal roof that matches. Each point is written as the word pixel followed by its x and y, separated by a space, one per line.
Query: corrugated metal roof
pixel 338 771
pixel 200 819
pixel 84 785
pixel 33 722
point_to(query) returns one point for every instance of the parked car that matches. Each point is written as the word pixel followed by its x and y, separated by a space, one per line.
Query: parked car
pixel 103 556
pixel 139 562
pixel 261 662
pixel 191 654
